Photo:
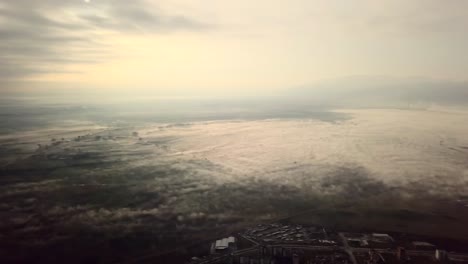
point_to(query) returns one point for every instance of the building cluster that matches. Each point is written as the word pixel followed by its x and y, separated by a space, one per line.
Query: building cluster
pixel 278 233
pixel 277 255
pixel 401 256
pixel 281 243
pixel 374 240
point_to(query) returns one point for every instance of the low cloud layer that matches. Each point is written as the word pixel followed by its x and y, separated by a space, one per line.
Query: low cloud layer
pixel 132 189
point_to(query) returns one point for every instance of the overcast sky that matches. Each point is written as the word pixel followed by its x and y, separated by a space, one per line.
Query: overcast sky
pixel 242 46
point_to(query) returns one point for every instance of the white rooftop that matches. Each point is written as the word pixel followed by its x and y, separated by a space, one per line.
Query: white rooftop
pixel 380 235
pixel 421 243
pixel 224 243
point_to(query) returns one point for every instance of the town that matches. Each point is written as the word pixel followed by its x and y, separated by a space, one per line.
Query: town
pixel 286 243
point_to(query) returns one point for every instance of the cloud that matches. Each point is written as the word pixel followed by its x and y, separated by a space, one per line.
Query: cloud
pixel 400 18
pixel 40 37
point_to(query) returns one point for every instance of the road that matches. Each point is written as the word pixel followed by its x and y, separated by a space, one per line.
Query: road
pixel 347 248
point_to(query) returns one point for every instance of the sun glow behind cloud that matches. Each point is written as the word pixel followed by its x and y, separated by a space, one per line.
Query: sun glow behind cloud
pixel 195 47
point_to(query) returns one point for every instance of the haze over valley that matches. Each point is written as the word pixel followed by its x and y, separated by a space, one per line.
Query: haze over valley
pixel 154 186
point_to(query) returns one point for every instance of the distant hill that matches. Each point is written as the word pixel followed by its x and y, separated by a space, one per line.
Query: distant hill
pixel 380 91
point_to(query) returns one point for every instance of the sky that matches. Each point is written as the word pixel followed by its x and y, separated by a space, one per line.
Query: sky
pixel 198 47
